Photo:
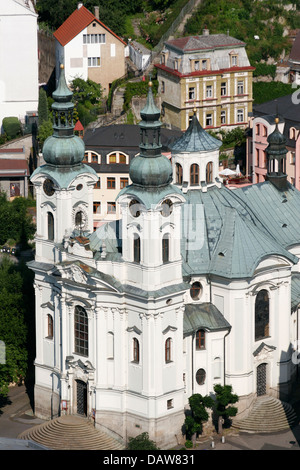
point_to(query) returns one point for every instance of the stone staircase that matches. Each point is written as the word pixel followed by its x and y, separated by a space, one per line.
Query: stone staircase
pixel 267 415
pixel 71 433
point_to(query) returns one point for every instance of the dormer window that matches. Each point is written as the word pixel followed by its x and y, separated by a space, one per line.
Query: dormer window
pixel 233 60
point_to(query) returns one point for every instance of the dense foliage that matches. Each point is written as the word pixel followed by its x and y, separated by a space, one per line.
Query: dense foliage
pixel 224 401
pixel 197 415
pixel 246 20
pixel 141 442
pixel 11 127
pixel 15 222
pixel 16 294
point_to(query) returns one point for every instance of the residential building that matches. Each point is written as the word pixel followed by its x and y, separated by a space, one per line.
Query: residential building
pixel 89 49
pixel 109 151
pixel 139 55
pixel 19 82
pixel 14 172
pixel 195 286
pixel 262 124
pixel 210 73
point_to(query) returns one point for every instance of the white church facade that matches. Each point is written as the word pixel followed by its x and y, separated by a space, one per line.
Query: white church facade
pixel 195 285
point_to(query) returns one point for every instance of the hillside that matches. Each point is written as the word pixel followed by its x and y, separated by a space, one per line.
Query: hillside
pixel 265 25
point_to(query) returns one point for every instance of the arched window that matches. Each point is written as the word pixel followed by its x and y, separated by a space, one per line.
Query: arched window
pixel 50 226
pixel 262 315
pixel 50 326
pixel 122 158
pixel 209 172
pixel 166 248
pixel 194 174
pixel 136 350
pixel 200 340
pixel 178 173
pixel 168 351
pixel 81 331
pixel 196 290
pixel 200 376
pixel 136 249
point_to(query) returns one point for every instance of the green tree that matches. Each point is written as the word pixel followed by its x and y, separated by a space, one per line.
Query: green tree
pixel 15 222
pixel 45 130
pixel 13 329
pixel 224 399
pixel 197 415
pixel 141 442
pixel 43 112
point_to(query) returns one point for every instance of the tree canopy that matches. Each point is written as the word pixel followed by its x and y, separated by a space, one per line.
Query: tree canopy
pixel 15 222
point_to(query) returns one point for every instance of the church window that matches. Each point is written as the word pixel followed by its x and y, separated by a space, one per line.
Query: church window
pixel 50 226
pixel 136 351
pixel 262 315
pixel 50 326
pixel 136 249
pixel 178 173
pixel 168 352
pixel 194 174
pixel 81 331
pixel 200 376
pixel 209 172
pixel 196 290
pixel 165 248
pixel 200 340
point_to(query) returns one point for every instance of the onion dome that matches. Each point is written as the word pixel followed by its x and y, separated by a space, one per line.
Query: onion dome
pixel 63 148
pixel 150 168
pixel 196 139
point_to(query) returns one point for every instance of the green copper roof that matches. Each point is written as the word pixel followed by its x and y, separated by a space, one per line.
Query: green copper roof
pixel 203 316
pixel 63 148
pixel 196 139
pixel 64 176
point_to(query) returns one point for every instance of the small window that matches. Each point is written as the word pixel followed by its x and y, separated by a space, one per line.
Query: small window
pixel 240 88
pixel 136 249
pixel 113 158
pixel 209 120
pixel 98 184
pixel 168 351
pixel 165 248
pixel 234 60
pixel 223 89
pixel 123 182
pixel 223 117
pixel 122 158
pixel 50 226
pixel 200 340
pixel 209 172
pixel 209 91
pixel 192 93
pixel 94 61
pixel 50 326
pixel 194 173
pixel 111 183
pixel 240 115
pixel 97 207
pixel 111 207
pixel 196 290
pixel 178 173
pixel 200 376
pixel 136 351
pixel 170 404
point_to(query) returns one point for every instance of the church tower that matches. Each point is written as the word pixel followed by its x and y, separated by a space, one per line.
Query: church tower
pixel 276 154
pixel 151 209
pixel 64 185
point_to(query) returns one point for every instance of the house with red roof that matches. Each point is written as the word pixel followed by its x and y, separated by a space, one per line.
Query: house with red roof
pixel 89 49
pixel 14 172
pixel 210 73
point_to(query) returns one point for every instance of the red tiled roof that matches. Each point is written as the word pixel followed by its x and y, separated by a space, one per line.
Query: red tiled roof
pixel 77 21
pixel 16 150
pixel 78 126
pixel 13 164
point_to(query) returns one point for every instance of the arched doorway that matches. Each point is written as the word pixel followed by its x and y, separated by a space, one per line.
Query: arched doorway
pixel 261 379
pixel 81 397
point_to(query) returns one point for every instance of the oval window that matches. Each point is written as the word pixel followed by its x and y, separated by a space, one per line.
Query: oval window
pixel 134 207
pixel 196 290
pixel 79 187
pixel 166 208
pixel 200 376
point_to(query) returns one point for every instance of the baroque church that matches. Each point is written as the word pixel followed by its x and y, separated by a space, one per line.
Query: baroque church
pixel 195 285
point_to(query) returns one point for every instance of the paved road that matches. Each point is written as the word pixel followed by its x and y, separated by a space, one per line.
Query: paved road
pixel 16 416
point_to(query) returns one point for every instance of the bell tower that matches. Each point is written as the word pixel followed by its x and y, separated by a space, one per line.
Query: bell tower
pixel 276 153
pixel 151 208
pixel 64 185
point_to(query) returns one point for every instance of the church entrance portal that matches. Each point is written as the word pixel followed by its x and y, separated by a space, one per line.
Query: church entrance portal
pixel 261 385
pixel 81 398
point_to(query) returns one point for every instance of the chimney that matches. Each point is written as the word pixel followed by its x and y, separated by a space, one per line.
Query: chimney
pixel 79 5
pixel 96 9
pixel 205 31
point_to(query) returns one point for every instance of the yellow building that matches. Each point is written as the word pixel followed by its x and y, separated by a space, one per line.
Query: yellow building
pixel 210 73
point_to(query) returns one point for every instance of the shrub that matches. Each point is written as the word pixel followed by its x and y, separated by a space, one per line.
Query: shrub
pixel 141 442
pixel 12 127
pixel 188 444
